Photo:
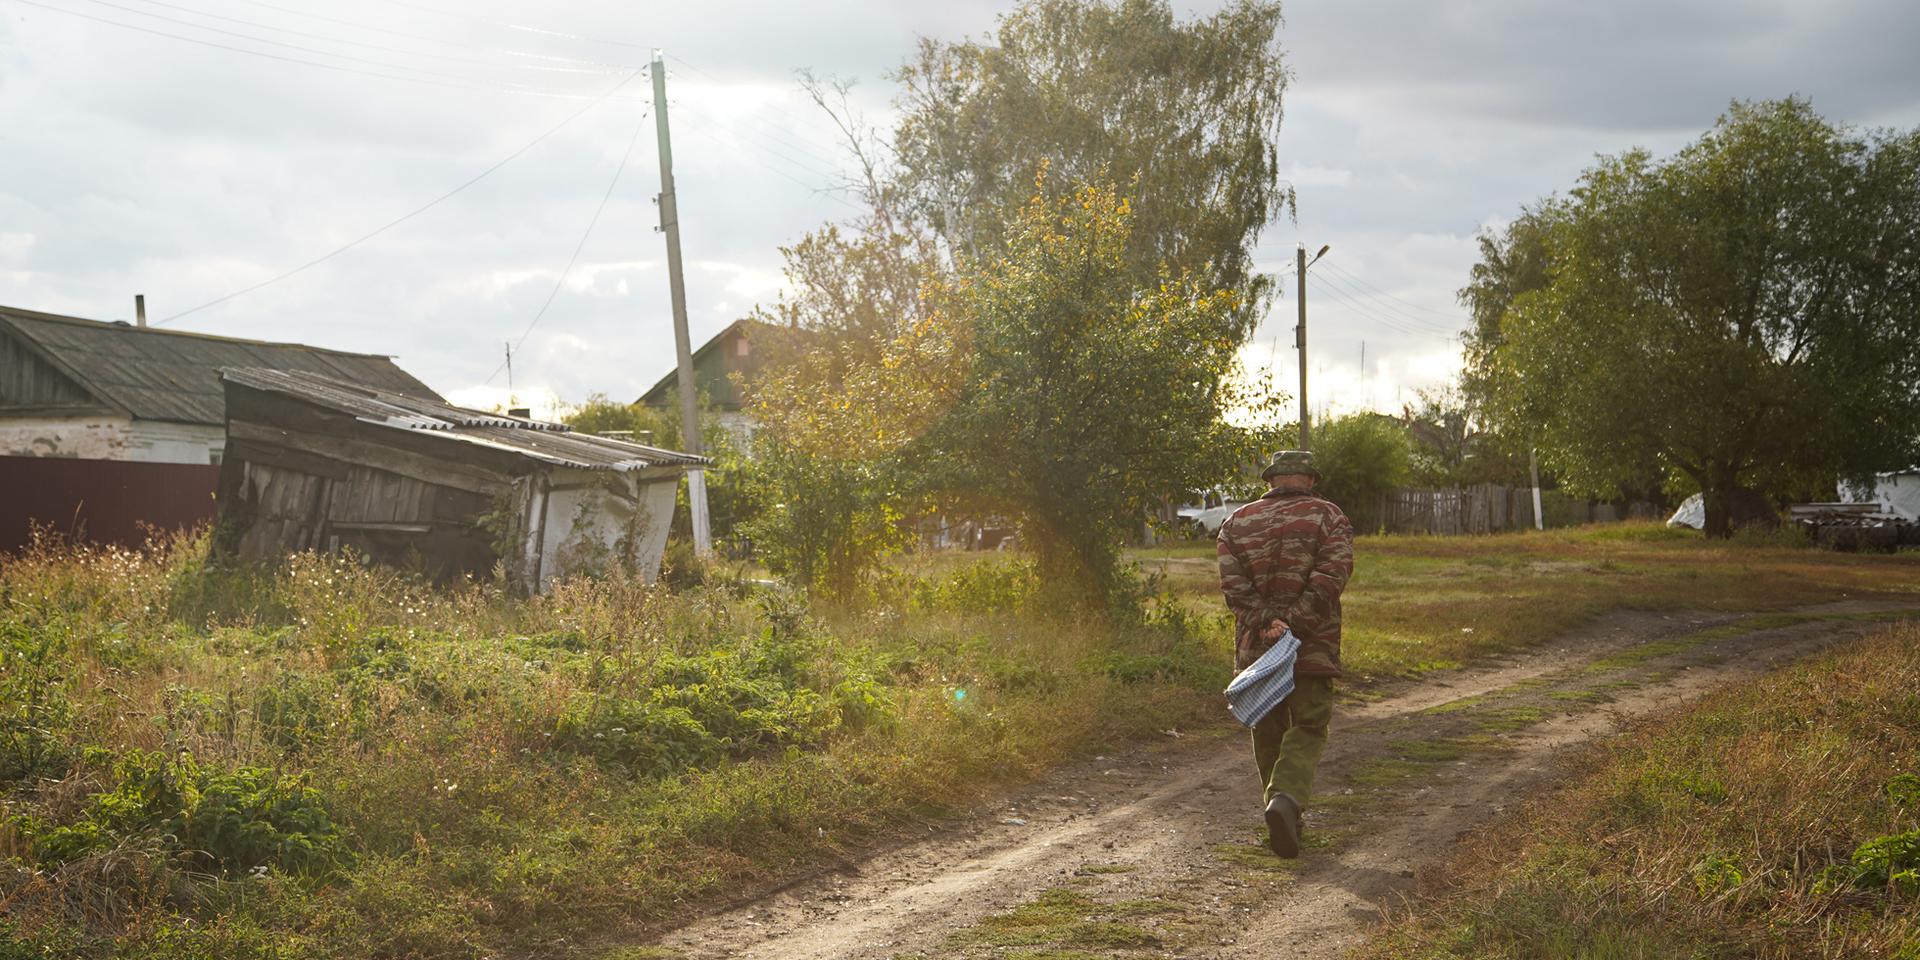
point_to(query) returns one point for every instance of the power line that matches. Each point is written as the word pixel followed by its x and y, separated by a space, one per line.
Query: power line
pixel 1349 276
pixel 511 87
pixel 324 38
pixel 1367 312
pixel 591 223
pixel 827 192
pixel 429 38
pixel 1383 311
pixel 504 25
pixel 740 141
pixel 771 129
pixel 536 141
pixel 286 59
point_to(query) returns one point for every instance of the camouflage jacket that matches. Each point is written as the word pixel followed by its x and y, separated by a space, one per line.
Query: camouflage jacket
pixel 1287 556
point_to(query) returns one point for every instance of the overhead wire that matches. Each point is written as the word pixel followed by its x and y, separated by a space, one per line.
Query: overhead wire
pixel 384 64
pixel 476 178
pixel 1360 308
pixel 199 41
pixel 1383 308
pixel 771 129
pixel 323 38
pixel 577 247
pixel 709 124
pixel 1443 314
pixel 442 41
pixel 541 31
pixel 829 192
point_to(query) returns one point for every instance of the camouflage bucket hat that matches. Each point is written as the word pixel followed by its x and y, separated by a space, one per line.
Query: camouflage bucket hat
pixel 1291 462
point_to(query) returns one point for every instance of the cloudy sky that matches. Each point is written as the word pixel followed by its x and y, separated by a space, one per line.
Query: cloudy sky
pixel 193 149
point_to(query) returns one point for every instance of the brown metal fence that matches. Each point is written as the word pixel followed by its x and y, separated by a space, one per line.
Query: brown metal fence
pixel 101 501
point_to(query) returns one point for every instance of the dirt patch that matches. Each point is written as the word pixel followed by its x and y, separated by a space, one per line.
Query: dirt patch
pixel 1155 851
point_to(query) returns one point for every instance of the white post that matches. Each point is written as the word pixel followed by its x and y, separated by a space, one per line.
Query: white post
pixel 1533 467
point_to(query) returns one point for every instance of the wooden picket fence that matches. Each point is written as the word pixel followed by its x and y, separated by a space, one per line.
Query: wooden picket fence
pixel 1481 508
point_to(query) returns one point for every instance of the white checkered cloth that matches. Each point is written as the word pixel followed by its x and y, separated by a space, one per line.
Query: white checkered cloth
pixel 1259 688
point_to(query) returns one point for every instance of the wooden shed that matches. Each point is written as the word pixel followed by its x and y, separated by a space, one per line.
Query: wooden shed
pixel 317 463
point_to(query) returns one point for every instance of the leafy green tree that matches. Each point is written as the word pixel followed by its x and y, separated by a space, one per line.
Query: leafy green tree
pixel 1745 313
pixel 838 395
pixel 1185 112
pixel 1085 394
pixel 729 502
pixel 1361 456
pixel 1452 446
pixel 601 415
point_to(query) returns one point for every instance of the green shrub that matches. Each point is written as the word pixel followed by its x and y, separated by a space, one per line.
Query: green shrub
pixel 35 713
pixel 989 586
pixel 692 711
pixel 1889 861
pixel 227 821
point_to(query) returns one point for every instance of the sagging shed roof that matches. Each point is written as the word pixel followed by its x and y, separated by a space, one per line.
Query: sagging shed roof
pixel 553 443
pixel 174 375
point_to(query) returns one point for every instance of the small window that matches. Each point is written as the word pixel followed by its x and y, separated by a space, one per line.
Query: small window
pixel 213 456
pixel 741 348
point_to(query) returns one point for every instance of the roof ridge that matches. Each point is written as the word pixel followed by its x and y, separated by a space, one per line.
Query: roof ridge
pixel 24 313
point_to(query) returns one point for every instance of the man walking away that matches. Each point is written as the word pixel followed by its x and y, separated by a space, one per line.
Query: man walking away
pixel 1284 559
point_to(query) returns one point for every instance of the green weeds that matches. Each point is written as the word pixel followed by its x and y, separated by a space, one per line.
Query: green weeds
pixel 329 760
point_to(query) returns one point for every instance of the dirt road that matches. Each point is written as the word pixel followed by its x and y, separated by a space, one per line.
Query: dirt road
pixel 1156 852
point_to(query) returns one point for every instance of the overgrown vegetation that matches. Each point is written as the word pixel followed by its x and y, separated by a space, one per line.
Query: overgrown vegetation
pixel 1779 818
pixel 326 760
pixel 330 760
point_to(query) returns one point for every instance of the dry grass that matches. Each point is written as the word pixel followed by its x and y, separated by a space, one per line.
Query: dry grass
pixel 1740 827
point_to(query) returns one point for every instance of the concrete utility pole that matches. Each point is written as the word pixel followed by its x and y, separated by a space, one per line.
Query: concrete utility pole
pixel 1300 335
pixel 1533 468
pixel 682 342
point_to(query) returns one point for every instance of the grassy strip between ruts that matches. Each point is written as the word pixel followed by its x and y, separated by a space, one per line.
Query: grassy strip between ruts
pixel 1776 818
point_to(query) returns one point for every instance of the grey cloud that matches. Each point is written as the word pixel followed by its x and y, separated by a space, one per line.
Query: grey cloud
pixel 141 164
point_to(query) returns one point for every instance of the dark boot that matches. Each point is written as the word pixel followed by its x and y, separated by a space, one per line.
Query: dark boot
pixel 1283 826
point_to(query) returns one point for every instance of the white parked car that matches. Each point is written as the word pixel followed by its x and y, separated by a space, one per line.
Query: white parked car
pixel 1204 519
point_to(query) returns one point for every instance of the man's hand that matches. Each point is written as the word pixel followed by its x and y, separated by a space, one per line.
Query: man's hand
pixel 1276 629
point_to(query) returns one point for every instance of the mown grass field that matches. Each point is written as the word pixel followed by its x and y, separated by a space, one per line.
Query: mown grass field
pixel 329 761
pixel 1779 818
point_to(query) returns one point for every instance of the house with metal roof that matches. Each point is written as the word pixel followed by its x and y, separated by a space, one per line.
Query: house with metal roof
pixel 94 390
pixel 320 463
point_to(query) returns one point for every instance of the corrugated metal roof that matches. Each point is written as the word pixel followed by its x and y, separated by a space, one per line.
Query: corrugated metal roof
pixel 554 443
pixel 173 375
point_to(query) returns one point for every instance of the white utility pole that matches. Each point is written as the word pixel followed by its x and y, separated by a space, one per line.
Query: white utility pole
pixel 682 342
pixel 1533 467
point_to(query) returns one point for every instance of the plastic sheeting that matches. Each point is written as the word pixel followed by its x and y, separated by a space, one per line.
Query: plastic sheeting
pixel 1692 513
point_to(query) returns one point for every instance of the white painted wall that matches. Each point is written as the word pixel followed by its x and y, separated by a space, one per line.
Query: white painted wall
pixel 157 442
pixel 83 438
pixel 586 521
pixel 111 438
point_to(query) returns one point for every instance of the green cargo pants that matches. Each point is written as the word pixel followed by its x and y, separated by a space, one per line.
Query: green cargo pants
pixel 1287 742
